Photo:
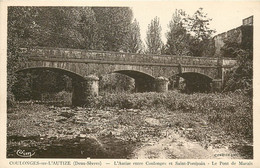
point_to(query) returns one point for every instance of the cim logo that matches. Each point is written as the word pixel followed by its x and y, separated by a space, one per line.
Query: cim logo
pixel 23 153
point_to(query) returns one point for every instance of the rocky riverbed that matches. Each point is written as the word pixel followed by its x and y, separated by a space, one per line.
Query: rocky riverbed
pixel 64 132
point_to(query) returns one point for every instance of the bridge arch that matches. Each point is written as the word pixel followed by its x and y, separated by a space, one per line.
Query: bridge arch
pixel 143 82
pixel 194 82
pixel 135 74
pixel 69 73
pixel 83 86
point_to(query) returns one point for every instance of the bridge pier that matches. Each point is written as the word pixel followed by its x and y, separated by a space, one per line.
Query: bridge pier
pixel 84 91
pixel 216 85
pixel 161 84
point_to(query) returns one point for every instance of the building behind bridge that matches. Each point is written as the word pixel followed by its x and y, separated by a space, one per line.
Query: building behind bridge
pixel 241 36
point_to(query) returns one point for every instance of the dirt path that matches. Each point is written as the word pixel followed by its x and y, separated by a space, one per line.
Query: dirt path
pixel 173 146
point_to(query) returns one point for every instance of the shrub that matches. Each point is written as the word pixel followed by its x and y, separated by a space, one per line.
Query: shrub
pixel 241 77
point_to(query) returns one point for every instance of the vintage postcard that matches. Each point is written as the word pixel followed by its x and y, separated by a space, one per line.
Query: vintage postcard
pixel 129 84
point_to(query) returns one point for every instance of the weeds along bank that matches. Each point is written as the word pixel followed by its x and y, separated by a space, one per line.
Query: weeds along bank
pixel 229 112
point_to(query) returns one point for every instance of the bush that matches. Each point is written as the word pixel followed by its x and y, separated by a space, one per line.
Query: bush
pixel 241 77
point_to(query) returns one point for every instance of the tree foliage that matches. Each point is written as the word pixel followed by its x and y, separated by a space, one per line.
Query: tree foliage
pixel 113 25
pixel 64 27
pixel 241 77
pixel 230 49
pixel 189 35
pixel 84 28
pixel 20 24
pixel 241 38
pixel 99 28
pixel 198 27
pixel 153 37
pixel 133 42
pixel 178 37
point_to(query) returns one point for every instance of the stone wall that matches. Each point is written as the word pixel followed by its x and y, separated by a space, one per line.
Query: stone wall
pixel 248 21
pixel 234 35
pixel 242 35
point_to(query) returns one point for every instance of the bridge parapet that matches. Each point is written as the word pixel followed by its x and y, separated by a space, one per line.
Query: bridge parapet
pixel 65 53
pixel 227 62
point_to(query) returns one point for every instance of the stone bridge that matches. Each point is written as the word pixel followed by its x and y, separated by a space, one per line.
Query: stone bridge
pixel 151 72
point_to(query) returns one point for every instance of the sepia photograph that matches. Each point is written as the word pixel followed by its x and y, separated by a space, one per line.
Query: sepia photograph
pixel 158 81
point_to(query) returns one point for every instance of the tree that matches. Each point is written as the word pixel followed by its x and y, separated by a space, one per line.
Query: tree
pixel 89 29
pixel 241 77
pixel 83 29
pixel 66 27
pixel 178 37
pixel 113 25
pixel 153 37
pixel 51 24
pixel 19 34
pixel 197 26
pixel 230 48
pixel 133 42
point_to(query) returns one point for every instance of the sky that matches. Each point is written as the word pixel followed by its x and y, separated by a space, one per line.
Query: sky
pixel 225 15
